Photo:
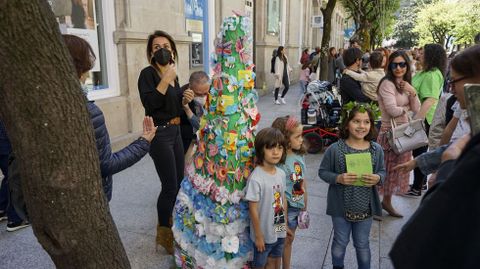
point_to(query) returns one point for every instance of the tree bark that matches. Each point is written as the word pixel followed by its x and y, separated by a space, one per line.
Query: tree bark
pixel 45 114
pixel 327 28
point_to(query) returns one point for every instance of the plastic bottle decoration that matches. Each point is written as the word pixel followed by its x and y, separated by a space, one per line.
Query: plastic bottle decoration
pixel 210 216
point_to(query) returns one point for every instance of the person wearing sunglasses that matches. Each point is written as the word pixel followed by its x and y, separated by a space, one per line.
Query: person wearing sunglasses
pixel 396 97
pixel 429 84
pixel 443 232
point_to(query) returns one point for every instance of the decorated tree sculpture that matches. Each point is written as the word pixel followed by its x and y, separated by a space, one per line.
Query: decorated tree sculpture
pixel 210 216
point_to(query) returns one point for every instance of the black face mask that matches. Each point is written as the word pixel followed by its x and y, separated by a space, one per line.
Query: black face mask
pixel 162 56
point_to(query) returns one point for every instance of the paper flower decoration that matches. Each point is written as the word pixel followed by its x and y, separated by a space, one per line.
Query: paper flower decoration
pixel 210 218
pixel 230 244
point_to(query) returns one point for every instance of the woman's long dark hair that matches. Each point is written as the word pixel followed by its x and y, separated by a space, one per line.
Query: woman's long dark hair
pixel 156 34
pixel 434 56
pixel 390 76
pixel 281 55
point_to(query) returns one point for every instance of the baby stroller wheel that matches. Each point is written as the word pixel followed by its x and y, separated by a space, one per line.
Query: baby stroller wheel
pixel 314 142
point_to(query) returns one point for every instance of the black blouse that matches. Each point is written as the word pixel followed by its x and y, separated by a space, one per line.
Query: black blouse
pixel 161 108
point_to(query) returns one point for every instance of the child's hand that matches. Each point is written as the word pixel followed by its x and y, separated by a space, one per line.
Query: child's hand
pixel 260 243
pixel 346 178
pixel 370 179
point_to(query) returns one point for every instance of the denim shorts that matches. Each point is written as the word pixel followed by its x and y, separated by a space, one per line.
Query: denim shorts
pixel 293 217
pixel 274 250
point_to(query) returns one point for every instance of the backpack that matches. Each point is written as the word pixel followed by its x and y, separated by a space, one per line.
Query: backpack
pixel 272 68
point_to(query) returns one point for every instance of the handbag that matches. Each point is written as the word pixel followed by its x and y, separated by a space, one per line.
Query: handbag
pixel 303 219
pixel 408 136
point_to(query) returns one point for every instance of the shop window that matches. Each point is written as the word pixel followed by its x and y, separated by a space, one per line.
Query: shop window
pixel 273 17
pixel 92 20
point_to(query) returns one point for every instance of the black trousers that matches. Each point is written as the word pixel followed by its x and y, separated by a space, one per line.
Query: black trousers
pixel 285 90
pixel 418 177
pixel 166 151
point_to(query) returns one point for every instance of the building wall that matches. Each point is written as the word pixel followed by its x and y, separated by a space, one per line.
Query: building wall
pixel 135 20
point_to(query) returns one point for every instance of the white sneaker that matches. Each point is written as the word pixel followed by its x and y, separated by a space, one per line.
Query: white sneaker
pixel 283 101
pixel 276 102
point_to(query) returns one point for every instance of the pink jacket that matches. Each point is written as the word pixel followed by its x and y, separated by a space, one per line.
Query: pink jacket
pixel 392 103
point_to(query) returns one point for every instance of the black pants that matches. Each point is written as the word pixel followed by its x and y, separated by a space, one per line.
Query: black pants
pixel 285 90
pixel 166 150
pixel 418 177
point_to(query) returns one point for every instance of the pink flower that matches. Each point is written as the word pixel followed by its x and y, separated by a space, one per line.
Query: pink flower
pixel 212 150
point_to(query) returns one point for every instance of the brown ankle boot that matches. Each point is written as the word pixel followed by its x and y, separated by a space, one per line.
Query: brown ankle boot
pixel 165 238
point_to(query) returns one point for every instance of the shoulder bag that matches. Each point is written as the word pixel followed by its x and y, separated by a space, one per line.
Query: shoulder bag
pixel 408 136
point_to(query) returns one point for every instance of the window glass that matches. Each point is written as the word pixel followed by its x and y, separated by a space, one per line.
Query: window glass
pixel 85 18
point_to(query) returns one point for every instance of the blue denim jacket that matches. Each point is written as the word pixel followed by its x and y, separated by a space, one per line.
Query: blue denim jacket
pixel 428 162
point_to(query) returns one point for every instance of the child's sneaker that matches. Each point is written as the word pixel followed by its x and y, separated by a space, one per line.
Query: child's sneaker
pixel 13 226
pixel 3 216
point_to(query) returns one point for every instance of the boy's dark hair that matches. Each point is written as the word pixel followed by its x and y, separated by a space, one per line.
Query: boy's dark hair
pixel 280 123
pixel 268 138
pixel 351 55
pixel 376 59
pixel 343 131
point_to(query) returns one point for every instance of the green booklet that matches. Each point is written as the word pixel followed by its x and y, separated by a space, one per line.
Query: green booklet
pixel 360 164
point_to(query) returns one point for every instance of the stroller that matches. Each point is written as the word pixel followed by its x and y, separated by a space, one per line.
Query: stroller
pixel 320 114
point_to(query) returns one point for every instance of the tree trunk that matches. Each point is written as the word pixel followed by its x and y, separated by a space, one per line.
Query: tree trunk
pixel 327 28
pixel 46 117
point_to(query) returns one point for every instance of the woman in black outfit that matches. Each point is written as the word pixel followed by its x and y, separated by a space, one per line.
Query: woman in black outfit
pixel 162 99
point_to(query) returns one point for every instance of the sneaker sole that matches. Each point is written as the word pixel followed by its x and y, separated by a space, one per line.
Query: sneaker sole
pixel 13 229
pixel 3 218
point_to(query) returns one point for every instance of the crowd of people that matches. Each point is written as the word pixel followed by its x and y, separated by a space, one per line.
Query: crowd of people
pixel 421 84
pixel 417 84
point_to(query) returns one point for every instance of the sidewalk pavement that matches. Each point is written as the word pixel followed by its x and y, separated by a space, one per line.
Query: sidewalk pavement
pixel 133 207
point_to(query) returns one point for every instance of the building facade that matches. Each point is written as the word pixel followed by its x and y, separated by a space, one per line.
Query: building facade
pixel 118 32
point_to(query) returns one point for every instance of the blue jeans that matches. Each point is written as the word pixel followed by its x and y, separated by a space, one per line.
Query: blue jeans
pixel 293 213
pixel 303 85
pixel 5 204
pixel 274 250
pixel 341 236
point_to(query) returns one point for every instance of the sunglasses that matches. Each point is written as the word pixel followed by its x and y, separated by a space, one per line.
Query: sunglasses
pixel 451 81
pixel 395 65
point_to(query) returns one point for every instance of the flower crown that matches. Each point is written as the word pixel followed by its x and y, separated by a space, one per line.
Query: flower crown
pixel 362 108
